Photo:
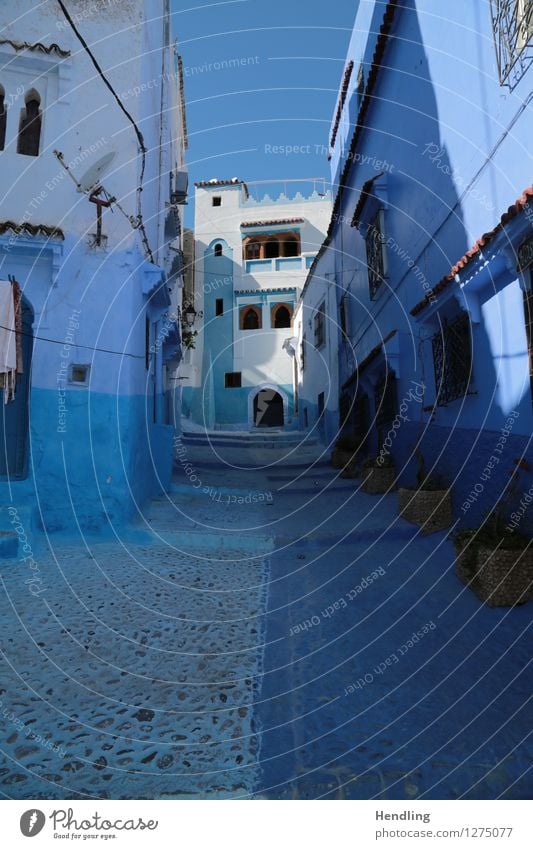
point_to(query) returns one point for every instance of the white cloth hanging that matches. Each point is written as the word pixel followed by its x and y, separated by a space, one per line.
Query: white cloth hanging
pixel 8 341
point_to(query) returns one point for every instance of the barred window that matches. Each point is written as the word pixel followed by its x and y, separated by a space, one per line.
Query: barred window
pixel 452 359
pixel 375 253
pixel 303 352
pixel 385 399
pixel 320 325
pixel 512 22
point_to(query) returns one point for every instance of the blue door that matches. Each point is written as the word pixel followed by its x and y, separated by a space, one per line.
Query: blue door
pixel 14 417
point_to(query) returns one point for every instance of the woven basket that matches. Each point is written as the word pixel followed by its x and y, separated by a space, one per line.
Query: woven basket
pixel 378 480
pixel 431 509
pixel 501 577
pixel 340 458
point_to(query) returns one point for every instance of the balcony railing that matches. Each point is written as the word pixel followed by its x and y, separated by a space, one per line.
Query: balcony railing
pixel 280 263
pixel 512 22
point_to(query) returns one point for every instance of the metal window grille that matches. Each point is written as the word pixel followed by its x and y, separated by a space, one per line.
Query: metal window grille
pixel 512 23
pixel 302 352
pixel 452 359
pixel 385 399
pixel 320 325
pixel 375 253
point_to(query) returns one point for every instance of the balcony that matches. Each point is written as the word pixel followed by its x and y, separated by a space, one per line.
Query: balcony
pixel 281 263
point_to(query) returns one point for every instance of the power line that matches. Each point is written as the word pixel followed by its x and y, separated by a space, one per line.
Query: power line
pixel 128 116
pixel 75 345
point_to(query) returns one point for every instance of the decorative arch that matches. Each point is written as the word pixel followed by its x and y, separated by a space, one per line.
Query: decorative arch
pixel 259 388
pixel 213 250
pixel 29 136
pixel 250 317
pixel 281 315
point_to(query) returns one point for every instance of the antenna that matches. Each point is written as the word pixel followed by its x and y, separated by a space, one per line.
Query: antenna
pixel 91 178
pixel 89 184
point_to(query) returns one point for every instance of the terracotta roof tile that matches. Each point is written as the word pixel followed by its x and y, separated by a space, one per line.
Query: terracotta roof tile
pixel 515 209
pixel 31 229
pixel 42 48
pixel 269 223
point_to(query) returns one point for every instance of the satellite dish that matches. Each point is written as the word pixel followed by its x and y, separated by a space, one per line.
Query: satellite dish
pixel 91 178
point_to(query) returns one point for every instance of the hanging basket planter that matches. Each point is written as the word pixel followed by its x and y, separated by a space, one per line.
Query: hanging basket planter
pixel 431 509
pixel 500 577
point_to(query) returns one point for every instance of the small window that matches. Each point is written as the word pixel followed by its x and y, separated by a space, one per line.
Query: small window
pixel 343 316
pixel 79 373
pixel 320 325
pixel 3 118
pixel 281 316
pixel 29 137
pixel 303 352
pixel 452 359
pixel 217 200
pixel 250 318
pixel 233 380
pixel 218 249
pixel 219 306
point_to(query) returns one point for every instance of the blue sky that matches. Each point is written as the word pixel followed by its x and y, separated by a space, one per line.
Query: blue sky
pixel 261 77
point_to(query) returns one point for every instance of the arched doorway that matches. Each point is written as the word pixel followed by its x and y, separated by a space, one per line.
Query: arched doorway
pixel 14 417
pixel 268 409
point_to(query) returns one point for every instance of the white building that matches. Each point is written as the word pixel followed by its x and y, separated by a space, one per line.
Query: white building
pixel 252 258
pixel 92 141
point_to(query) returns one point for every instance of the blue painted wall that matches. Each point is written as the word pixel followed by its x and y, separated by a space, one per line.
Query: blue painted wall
pixel 446 146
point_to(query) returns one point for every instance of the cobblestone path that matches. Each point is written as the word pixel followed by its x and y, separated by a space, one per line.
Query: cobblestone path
pixel 232 647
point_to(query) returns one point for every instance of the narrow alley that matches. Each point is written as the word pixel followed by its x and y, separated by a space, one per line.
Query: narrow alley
pixel 267 630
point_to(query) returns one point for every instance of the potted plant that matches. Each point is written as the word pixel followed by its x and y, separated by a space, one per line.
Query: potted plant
pixel 344 454
pixel 378 474
pixel 429 504
pixel 494 560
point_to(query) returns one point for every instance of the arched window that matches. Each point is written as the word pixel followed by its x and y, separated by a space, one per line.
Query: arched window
pixel 253 250
pixel 272 249
pixel 291 247
pixel 218 249
pixel 30 125
pixel 3 118
pixel 250 318
pixel 282 316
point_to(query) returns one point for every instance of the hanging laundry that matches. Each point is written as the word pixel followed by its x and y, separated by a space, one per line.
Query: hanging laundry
pixel 8 341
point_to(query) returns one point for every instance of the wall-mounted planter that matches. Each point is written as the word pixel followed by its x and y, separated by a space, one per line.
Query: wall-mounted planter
pixel 499 577
pixel 431 509
pixel 378 479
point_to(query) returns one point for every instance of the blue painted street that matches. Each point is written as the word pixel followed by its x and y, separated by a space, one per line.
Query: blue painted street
pixel 273 633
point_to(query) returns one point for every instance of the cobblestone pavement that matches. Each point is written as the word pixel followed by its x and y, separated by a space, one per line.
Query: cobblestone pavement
pixel 307 644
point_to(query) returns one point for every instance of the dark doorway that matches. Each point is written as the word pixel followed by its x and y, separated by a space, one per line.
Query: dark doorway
pixel 268 409
pixel 14 417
